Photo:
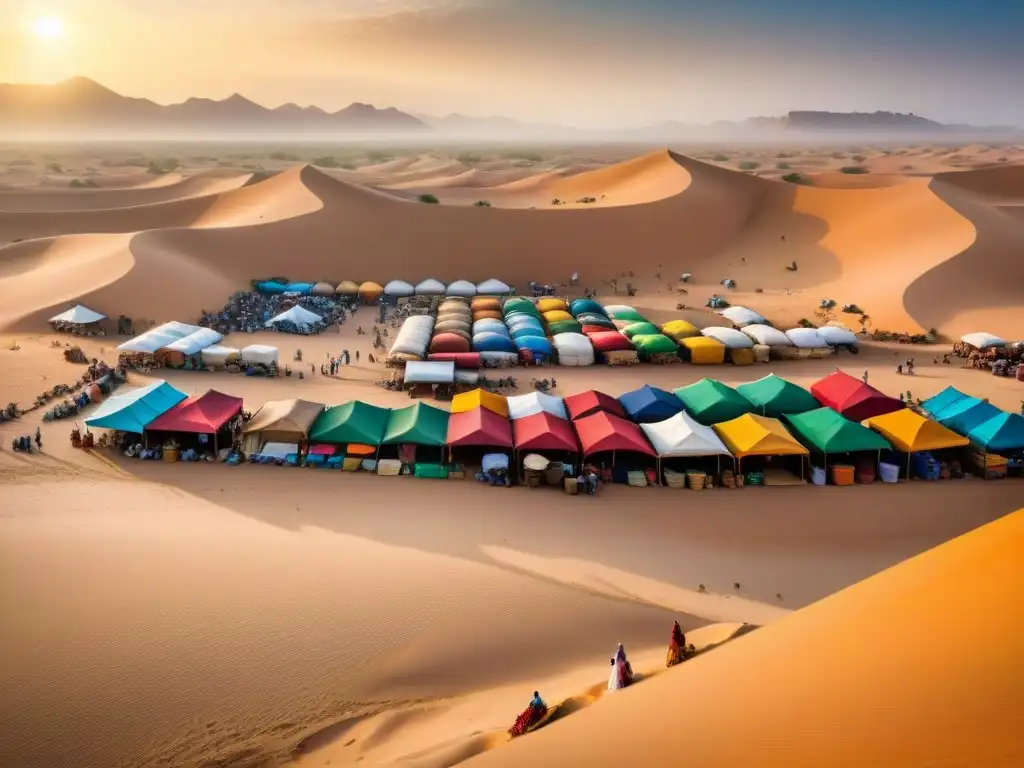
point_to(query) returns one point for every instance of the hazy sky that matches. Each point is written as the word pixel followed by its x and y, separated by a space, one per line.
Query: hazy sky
pixel 593 63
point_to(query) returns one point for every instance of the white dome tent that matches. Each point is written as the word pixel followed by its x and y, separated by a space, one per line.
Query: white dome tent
pixel 300 316
pixel 983 340
pixel 430 287
pixel 399 288
pixel 837 337
pixel 741 316
pixel 461 288
pixel 258 353
pixel 730 337
pixel 806 338
pixel 492 287
pixel 765 334
pixel 79 315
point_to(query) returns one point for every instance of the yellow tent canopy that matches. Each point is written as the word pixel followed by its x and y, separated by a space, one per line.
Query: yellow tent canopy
pixel 347 288
pixel 550 304
pixel 480 398
pixel 911 432
pixel 556 316
pixel 680 329
pixel 752 435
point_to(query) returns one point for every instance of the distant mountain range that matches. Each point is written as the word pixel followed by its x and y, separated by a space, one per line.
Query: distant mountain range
pixel 81 106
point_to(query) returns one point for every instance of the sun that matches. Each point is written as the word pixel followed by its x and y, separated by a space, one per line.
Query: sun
pixel 48 27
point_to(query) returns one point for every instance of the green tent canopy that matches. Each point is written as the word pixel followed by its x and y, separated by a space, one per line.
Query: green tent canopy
pixel 776 397
pixel 712 402
pixel 826 431
pixel 353 422
pixel 640 329
pixel 648 344
pixel 419 424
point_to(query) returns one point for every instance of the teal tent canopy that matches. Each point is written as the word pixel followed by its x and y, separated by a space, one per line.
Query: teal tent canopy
pixel 944 399
pixel 712 402
pixel 775 397
pixel 1004 432
pixel 965 414
pixel 419 424
pixel 131 411
pixel 826 431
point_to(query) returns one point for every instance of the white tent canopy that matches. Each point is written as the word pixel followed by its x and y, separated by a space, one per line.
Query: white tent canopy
pixel 399 288
pixel 837 336
pixel 806 338
pixel 196 342
pixel 259 353
pixel 983 340
pixel 217 355
pixel 461 288
pixel 730 337
pixel 430 287
pixel 493 287
pixel 573 349
pixel 298 315
pixel 159 337
pixel 439 372
pixel 765 334
pixel 78 314
pixel 680 435
pixel 741 316
pixel 521 406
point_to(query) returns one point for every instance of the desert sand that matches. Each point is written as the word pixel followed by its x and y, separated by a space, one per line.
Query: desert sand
pixel 171 615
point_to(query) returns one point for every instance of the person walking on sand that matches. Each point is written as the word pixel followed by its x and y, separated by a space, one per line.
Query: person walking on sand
pixel 357 357
pixel 865 376
pixel 39 439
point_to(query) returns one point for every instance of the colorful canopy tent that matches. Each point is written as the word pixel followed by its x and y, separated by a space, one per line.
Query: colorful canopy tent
pixel 752 435
pixel 461 288
pixel 741 316
pixel 432 372
pixel 419 424
pixel 322 289
pixel 966 414
pixel 586 403
pixel 134 410
pixel 551 304
pixel 945 398
pixel 480 398
pixel 650 404
pixel 765 334
pixel 624 312
pixel 983 340
pixel 303 288
pixel 854 399
pixel 430 287
pixel 270 287
pixel 1004 432
pixel 200 414
pixel 298 316
pixel 370 291
pixel 680 329
pixel 702 350
pixel 493 287
pixel 710 401
pixel 352 422
pixel 479 428
pixel 585 306
pixel 280 421
pixel 650 344
pixel 776 397
pixel 543 432
pixel 79 315
pixel 605 432
pixel 911 433
pixel 639 329
pixel 609 341
pixel 493 342
pixel 825 431
pixel 533 403
pixel 399 288
pixel 347 288
pixel 520 304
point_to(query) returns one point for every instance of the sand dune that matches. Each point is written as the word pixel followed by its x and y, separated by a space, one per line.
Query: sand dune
pixel 917 666
pixel 657 213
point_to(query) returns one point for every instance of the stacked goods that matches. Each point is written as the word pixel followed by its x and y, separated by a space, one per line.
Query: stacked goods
pixel 679 330
pixel 702 350
pixel 808 343
pixel 741 316
pixel 574 349
pixel 412 339
pixel 347 288
pixel 490 334
pixel 835 336
pixel 486 307
pixel 586 307
pixel 430 287
pixel 370 291
pixel 767 336
pixel 493 287
pixel 322 289
pixel 463 360
pixel 461 288
pixel 656 348
pixel 527 330
pixel 623 312
pixel 640 329
pixel 452 329
pixel 399 288
pixel 552 304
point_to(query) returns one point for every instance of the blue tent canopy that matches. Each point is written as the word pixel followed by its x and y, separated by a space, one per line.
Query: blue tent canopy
pixel 539 345
pixel 944 399
pixel 580 306
pixel 965 414
pixel 1004 432
pixel 132 411
pixel 303 288
pixel 650 404
pixel 492 342
pixel 269 286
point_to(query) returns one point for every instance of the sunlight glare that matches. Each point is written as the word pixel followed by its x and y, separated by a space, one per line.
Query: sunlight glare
pixel 48 27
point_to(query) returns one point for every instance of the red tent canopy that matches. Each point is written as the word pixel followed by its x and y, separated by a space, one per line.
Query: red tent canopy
pixel 609 341
pixel 854 399
pixel 544 432
pixel 603 431
pixel 585 403
pixel 202 414
pixel 479 427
